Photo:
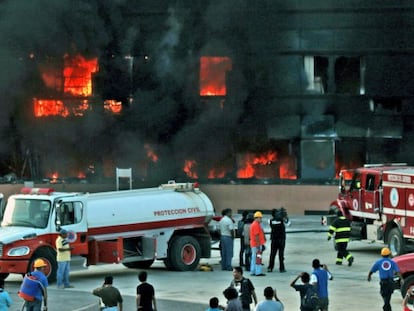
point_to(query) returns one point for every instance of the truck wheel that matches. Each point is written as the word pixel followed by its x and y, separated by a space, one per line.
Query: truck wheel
pixel 396 242
pixel 408 281
pixel 4 276
pixel 145 264
pixel 184 253
pixel 49 256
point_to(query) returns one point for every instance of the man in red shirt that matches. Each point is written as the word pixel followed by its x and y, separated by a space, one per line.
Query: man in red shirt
pixel 257 244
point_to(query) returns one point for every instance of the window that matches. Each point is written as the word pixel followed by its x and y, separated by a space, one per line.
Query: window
pixel 316 70
pixel 70 213
pixel 348 75
pixel 213 71
pixel 370 184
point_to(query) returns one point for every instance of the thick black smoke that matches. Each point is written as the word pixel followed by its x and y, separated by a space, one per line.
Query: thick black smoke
pixel 147 51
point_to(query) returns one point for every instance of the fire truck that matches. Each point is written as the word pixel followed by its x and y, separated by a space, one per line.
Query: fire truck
pixel 378 199
pixel 131 227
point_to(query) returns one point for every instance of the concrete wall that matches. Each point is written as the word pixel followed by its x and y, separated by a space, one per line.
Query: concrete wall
pixel 295 198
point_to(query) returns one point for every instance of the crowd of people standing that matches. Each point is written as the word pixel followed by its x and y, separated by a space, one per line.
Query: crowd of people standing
pixel 240 295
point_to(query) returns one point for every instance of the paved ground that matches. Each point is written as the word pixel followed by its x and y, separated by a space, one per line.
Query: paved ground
pixel 306 240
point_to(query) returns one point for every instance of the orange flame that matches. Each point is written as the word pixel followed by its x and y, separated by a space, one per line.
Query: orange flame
pixel 77 81
pixel 77 75
pixel 213 75
pixel 216 173
pixel 266 165
pixel 151 153
pixel 189 166
pixel 113 106
pixel 49 107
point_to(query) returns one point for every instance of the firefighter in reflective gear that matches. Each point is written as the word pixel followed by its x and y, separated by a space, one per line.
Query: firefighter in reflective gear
pixel 341 230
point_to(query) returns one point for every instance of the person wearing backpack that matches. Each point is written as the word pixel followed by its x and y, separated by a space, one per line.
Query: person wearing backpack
pixel 244 288
pixel 306 291
pixel 319 278
pixel 34 287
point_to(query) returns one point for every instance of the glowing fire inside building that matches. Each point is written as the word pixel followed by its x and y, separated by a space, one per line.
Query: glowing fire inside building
pixel 262 93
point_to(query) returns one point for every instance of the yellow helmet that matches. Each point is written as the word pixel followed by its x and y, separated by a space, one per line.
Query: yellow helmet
pixel 385 251
pixel 39 263
pixel 258 215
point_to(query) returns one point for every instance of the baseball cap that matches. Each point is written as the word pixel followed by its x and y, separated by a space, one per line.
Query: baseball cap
pixel 63 231
pixel 258 215
pixel 39 263
pixel 385 251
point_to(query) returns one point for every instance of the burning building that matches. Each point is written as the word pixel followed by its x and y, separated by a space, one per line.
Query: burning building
pixel 268 90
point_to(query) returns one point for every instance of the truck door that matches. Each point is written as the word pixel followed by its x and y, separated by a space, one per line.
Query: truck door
pixel 370 195
pixel 70 215
pixel 355 192
pixel 409 214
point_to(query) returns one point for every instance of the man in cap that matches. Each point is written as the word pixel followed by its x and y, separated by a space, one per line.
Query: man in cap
pixel 110 296
pixel 257 244
pixel 63 250
pixel 387 269
pixel 35 286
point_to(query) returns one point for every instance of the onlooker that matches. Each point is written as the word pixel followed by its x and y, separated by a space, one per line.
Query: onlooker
pixel 5 299
pixel 408 299
pixel 240 232
pixel 226 239
pixel 257 244
pixel 387 269
pixel 302 289
pixel 269 304
pixel 214 305
pixel 246 240
pixel 278 236
pixel 233 304
pixel 319 278
pixel 145 294
pixel 63 250
pixel 244 287
pixel 110 295
pixel 34 287
pixel 341 230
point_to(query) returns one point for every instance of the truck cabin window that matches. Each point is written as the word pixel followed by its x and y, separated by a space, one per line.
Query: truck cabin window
pixel 26 213
pixel 356 182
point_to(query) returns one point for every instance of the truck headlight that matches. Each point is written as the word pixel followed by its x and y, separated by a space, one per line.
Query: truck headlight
pixel 18 251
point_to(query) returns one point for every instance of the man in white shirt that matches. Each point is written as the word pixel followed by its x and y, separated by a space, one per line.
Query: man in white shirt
pixel 226 239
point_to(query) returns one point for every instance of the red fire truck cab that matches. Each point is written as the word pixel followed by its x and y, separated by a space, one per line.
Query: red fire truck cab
pixel 379 201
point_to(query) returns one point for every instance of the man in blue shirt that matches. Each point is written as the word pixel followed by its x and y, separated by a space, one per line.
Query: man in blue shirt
pixel 387 269
pixel 319 278
pixel 34 287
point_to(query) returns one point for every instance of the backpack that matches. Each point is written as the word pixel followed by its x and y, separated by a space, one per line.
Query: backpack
pixel 240 228
pixel 311 298
pixel 29 287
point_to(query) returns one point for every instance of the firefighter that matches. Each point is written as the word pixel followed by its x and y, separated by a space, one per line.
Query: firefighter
pixel 341 230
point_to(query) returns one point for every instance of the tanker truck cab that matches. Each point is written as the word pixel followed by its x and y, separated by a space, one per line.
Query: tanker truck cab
pixel 29 228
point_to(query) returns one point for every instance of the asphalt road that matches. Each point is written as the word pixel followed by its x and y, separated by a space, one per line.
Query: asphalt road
pixel 306 240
